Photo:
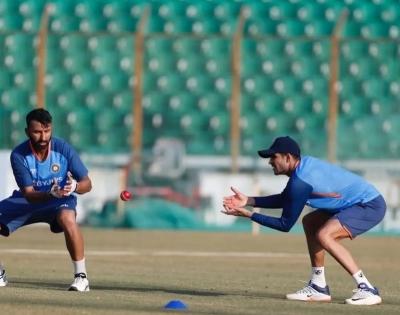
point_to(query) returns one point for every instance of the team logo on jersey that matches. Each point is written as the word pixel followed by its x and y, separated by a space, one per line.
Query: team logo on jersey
pixel 55 168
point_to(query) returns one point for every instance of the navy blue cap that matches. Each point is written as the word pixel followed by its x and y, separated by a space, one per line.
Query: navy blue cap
pixel 281 145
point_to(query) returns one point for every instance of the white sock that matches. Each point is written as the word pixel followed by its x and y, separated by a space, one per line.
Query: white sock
pixel 359 277
pixel 318 276
pixel 79 266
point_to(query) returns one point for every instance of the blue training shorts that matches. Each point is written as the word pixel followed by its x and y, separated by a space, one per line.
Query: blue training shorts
pixel 360 218
pixel 16 211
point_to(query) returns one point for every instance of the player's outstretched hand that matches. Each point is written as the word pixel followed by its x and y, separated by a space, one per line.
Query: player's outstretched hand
pixel 70 186
pixel 235 201
pixel 238 212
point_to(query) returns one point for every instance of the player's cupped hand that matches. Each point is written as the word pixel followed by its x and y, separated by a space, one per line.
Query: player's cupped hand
pixel 238 212
pixel 236 200
pixel 70 185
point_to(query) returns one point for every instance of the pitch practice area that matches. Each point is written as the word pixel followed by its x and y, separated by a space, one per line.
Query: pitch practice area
pixel 138 272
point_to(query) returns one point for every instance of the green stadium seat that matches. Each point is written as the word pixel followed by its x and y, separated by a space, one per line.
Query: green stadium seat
pixel 220 66
pixel 219 124
pixel 365 12
pixel 322 49
pixel 390 70
pixel 93 24
pixel 61 7
pixel 216 46
pixel 172 10
pixel 390 12
pixel 171 82
pixel 190 65
pixel 299 48
pixel 257 84
pixel 252 123
pixel 267 104
pixel 283 11
pixel 123 100
pixel 69 99
pixel 259 26
pixel 73 43
pixel 75 63
pixel 88 9
pixel 206 26
pixel 310 12
pixel 199 10
pixel 98 101
pixel 155 24
pixel 290 28
pixel 199 84
pixel 25 80
pixel 375 30
pixel 183 102
pixel 223 10
pixel 155 102
pixel 212 102
pixel 354 107
pixel 86 81
pixel 375 87
pixel 351 29
pixel 223 84
pixel 187 45
pixel 287 85
pixel 349 86
pixel 178 25
pixel 6 79
pixel 305 67
pixel 58 80
pixel 391 126
pixel 299 105
pixel 116 142
pixel 319 28
pixel 192 124
pixel 11 22
pixel 15 42
pixel 63 24
pixel 15 98
pixel 110 119
pixel 122 24
pixel 313 143
pixel 104 62
pixel 115 9
pixel 115 82
pixel 280 123
pixel 19 61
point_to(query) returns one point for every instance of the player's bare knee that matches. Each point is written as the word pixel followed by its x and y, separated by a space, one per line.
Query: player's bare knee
pixel 66 219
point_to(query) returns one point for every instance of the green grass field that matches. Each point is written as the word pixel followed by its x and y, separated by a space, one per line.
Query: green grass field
pixel 138 272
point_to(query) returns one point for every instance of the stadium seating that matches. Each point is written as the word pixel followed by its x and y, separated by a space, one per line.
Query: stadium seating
pixel 187 81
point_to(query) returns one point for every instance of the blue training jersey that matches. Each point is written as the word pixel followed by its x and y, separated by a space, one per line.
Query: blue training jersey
pixel 61 159
pixel 318 184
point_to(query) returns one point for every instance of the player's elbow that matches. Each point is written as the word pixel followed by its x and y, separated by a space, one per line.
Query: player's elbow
pixel 287 226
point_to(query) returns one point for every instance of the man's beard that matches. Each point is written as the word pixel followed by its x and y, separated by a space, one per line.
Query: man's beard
pixel 40 145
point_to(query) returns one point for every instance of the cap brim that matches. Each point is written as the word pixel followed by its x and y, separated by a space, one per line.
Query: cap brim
pixel 266 153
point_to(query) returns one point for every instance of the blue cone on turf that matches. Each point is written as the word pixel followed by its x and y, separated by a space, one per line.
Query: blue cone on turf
pixel 175 305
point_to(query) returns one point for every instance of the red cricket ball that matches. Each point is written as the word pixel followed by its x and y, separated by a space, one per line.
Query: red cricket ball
pixel 125 195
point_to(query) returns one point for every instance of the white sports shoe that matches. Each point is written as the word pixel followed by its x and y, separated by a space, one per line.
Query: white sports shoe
pixel 311 293
pixel 364 295
pixel 3 278
pixel 80 283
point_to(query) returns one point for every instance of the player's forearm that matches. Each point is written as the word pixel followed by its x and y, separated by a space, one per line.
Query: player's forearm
pixel 83 186
pixel 37 196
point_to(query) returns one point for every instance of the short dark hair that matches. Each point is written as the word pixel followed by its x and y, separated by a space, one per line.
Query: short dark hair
pixel 39 114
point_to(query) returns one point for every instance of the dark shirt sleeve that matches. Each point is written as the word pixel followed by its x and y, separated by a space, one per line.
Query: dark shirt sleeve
pixel 293 199
pixel 270 202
